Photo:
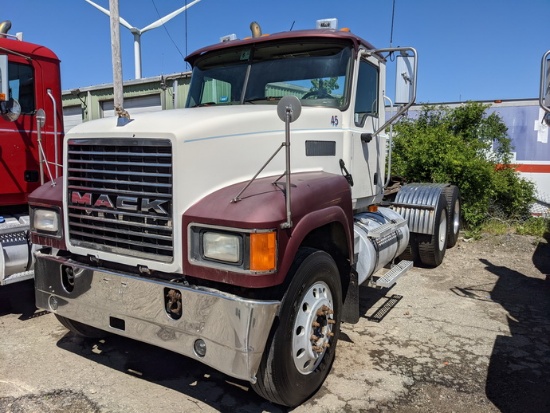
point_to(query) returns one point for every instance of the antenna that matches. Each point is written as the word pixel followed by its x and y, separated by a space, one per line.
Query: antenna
pixel 138 32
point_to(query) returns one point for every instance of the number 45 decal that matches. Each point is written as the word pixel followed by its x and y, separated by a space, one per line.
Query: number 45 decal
pixel 334 121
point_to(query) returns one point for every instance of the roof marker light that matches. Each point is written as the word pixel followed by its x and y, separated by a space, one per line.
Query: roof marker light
pixel 327 24
pixel 228 38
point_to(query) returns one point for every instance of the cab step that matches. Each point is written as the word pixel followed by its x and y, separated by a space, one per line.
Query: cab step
pixel 391 277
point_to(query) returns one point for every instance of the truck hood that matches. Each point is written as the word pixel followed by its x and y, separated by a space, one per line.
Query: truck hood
pixel 203 122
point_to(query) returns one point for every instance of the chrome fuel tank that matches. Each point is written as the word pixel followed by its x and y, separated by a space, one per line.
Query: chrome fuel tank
pixel 379 238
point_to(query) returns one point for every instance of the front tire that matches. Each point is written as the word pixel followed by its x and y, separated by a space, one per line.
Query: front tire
pixel 82 330
pixel 303 344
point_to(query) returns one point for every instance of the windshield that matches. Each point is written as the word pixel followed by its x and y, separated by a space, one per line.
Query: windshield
pixel 316 73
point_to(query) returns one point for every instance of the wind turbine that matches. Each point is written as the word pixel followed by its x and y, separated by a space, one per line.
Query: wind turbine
pixel 138 32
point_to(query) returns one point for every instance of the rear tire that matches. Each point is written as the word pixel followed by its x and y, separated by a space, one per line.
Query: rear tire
pixel 301 350
pixel 82 330
pixel 411 252
pixel 431 248
pixel 452 195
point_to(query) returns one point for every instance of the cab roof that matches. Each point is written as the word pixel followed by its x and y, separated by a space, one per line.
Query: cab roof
pixel 312 34
pixel 26 49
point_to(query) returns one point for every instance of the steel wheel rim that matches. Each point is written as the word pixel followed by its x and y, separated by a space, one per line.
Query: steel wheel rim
pixel 456 217
pixel 313 328
pixel 442 236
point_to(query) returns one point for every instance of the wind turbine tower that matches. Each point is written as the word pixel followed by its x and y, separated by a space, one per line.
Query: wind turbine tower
pixel 138 32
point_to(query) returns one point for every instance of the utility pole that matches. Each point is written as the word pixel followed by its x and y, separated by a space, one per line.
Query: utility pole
pixel 117 64
pixel 138 32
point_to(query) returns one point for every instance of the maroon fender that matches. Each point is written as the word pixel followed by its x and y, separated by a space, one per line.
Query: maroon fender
pixel 318 199
pixel 49 196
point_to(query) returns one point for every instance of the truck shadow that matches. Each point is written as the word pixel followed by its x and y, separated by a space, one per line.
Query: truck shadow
pixel 375 304
pixel 18 298
pixel 171 370
pixel 518 377
pixel 541 256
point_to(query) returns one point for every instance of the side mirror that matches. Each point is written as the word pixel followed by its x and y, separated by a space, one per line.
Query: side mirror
pixel 544 91
pixel 405 78
pixel 4 86
pixel 10 110
pixel 405 85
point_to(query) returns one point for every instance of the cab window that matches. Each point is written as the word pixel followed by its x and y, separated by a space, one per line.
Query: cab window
pixel 21 86
pixel 366 102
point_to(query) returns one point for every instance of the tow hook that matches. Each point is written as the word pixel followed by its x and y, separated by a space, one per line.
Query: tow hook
pixel 172 300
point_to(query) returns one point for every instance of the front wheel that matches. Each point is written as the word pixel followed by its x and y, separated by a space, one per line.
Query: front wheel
pixel 303 343
pixel 82 330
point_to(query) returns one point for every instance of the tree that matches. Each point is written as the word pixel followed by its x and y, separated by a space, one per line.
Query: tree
pixel 468 148
pixel 324 85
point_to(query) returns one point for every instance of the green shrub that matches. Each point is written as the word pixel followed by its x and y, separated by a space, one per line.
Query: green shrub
pixel 467 148
pixel 534 226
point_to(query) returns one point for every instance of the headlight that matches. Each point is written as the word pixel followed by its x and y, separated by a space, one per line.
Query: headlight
pixel 46 220
pixel 221 247
pixel 234 249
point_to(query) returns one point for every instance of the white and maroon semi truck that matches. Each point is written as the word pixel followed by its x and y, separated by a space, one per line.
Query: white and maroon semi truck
pixel 237 231
pixel 31 135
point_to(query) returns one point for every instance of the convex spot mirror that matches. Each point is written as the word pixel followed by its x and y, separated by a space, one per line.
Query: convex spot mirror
pixel 292 104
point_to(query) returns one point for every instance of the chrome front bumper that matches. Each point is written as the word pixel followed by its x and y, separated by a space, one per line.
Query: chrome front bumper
pixel 235 330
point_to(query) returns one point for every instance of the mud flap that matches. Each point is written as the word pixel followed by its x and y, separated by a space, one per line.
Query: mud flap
pixel 350 309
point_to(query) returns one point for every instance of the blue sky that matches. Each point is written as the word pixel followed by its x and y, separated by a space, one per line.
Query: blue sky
pixel 468 49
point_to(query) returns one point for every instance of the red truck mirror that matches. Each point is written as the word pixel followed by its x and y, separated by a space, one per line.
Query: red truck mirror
pixel 10 110
pixel 4 87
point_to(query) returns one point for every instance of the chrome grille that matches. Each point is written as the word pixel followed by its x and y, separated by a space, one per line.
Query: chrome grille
pixel 119 196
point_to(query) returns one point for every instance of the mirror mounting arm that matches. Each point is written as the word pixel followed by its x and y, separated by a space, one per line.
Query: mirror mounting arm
pixel 405 52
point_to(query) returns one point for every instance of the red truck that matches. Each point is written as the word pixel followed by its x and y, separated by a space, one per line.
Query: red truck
pixel 237 231
pixel 31 134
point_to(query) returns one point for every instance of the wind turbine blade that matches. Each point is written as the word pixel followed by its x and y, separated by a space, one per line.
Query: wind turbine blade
pixel 166 18
pixel 120 19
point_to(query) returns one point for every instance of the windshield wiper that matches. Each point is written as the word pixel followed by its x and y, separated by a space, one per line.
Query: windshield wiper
pixel 267 98
pixel 199 105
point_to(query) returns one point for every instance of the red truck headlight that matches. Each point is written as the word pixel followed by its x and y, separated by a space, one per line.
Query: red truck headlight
pixel 45 221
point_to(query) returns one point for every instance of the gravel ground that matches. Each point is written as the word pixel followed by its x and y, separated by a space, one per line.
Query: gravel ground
pixel 472 335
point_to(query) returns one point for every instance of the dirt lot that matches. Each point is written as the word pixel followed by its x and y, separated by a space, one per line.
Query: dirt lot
pixel 470 336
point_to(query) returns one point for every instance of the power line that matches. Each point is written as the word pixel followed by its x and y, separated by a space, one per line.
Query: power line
pixel 168 33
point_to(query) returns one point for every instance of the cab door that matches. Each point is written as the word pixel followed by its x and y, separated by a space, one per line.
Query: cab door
pixel 368 152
